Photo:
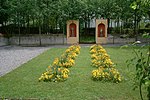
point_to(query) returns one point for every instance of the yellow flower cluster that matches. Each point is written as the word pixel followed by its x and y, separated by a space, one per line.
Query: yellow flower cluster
pixel 100 57
pixel 101 60
pixel 67 59
pixel 54 74
pixel 59 71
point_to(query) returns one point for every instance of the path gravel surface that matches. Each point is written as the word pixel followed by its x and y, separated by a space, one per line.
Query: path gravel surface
pixel 12 57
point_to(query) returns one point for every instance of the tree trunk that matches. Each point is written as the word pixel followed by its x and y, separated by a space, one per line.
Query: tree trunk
pixel 114 23
pixel 33 22
pixel 88 24
pixel 111 24
pixel 19 35
pixel 121 27
pixel 135 25
pixel 28 20
pixel 40 35
pixel 2 28
pixel 85 26
pixel 19 27
pixel 108 30
pixel 118 22
pixel 63 33
pixel 56 24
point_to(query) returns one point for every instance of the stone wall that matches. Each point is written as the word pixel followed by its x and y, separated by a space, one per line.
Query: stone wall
pixel 3 41
pixel 34 40
pixel 61 39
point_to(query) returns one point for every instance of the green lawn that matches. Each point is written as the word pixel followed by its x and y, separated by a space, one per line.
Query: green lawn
pixel 23 82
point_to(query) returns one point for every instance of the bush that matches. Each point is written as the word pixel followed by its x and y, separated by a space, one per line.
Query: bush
pixel 147 30
pixel 129 32
pixel 147 25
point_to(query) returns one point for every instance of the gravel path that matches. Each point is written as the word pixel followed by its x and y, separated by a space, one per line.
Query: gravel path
pixel 12 57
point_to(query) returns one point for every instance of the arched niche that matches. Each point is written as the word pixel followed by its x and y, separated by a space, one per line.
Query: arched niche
pixel 101 30
pixel 72 30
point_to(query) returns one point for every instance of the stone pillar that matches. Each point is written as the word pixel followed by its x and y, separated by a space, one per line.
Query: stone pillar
pixel 101 31
pixel 72 31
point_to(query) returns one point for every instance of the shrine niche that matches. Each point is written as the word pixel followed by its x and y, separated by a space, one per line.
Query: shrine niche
pixel 72 32
pixel 101 31
pixel 72 28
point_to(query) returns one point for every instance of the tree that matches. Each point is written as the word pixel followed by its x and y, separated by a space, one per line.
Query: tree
pixel 54 13
pixel 140 8
pixel 4 11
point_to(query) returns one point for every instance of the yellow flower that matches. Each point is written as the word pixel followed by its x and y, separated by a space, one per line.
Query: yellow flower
pixel 65 76
pixel 94 56
pixel 102 51
pixel 46 76
pixel 60 64
pixel 51 76
pixel 65 70
pixel 45 73
pixel 93 51
pixel 56 61
pixel 67 51
pixel 71 61
pixel 94 73
pixel 119 79
pixel 40 79
pixel 49 66
pixel 59 69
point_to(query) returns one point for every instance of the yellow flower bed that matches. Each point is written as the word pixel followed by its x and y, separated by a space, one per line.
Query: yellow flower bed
pixel 59 71
pixel 105 67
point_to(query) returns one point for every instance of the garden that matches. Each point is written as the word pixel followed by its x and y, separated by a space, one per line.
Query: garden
pixel 118 69
pixel 72 73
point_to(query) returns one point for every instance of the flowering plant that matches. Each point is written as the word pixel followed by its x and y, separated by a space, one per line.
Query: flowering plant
pixel 55 74
pixel 59 70
pixel 106 74
pixel 101 60
pixel 67 59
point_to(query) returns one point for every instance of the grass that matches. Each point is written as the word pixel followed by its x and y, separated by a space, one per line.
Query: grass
pixel 23 82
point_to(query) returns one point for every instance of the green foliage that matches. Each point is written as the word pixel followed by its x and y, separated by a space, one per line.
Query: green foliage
pixel 4 11
pixel 146 35
pixel 141 6
pixel 26 10
pixel 141 61
pixel 51 14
